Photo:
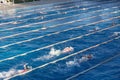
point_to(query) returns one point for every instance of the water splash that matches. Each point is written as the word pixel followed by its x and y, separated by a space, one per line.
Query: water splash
pixel 54 52
pixel 45 57
pixel 4 75
pixel 115 34
pixel 76 62
pixel 43 28
pixel 95 29
pixel 72 63
pixel 7 74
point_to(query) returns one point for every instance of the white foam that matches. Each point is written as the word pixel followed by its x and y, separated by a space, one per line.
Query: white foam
pixel 84 8
pixel 6 74
pixel 115 34
pixel 60 42
pixel 45 57
pixel 19 16
pixel 38 29
pixel 55 52
pixel 43 28
pixel 83 59
pixel 72 63
pixel 15 22
pixel 93 67
pixel 95 29
pixel 63 58
pixel 76 62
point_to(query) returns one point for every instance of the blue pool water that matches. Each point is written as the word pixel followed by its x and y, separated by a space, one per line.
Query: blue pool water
pixel 89 26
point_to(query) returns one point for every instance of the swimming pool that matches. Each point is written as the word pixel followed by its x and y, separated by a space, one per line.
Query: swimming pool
pixel 90 27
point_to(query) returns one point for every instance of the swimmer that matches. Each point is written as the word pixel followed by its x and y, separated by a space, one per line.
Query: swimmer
pixel 67 49
pixel 95 29
pixel 26 67
pixel 115 34
pixel 85 58
pixel 89 56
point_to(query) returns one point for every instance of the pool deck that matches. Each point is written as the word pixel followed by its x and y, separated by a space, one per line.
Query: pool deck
pixel 27 4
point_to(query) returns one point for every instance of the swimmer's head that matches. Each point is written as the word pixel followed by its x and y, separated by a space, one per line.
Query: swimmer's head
pixel 89 56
